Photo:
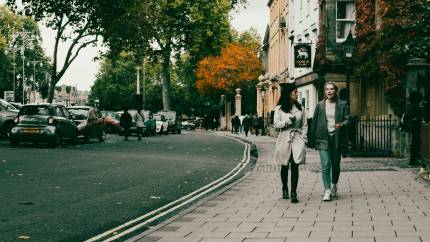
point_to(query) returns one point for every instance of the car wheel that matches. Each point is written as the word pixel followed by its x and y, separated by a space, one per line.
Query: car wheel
pixel 14 143
pixel 8 129
pixel 102 136
pixel 86 138
pixel 74 139
pixel 109 129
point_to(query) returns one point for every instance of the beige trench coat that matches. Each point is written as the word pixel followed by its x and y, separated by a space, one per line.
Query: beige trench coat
pixel 292 136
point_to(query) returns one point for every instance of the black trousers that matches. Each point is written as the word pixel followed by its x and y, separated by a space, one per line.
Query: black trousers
pixel 139 133
pixel 416 147
pixel 294 175
pixel 126 132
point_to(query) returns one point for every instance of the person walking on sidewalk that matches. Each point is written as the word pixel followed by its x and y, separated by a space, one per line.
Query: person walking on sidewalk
pixel 138 118
pixel 125 121
pixel 246 124
pixel 328 135
pixel 291 144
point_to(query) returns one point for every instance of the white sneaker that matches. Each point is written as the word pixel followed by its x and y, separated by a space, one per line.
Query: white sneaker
pixel 334 190
pixel 423 171
pixel 327 195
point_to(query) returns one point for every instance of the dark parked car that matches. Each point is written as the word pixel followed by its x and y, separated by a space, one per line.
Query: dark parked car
pixel 111 121
pixel 49 123
pixel 175 122
pixel 90 122
pixel 7 115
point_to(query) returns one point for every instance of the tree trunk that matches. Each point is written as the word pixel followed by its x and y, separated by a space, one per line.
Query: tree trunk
pixel 51 88
pixel 51 92
pixel 166 80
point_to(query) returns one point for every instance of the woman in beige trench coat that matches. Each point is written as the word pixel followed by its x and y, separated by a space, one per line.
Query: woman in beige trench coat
pixel 290 151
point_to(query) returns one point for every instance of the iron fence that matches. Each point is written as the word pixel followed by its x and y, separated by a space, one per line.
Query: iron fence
pixel 372 136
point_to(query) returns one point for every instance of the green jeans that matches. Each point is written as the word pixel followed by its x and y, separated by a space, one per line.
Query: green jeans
pixel 330 164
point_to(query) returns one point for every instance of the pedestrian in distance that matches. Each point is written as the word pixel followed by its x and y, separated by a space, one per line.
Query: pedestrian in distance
pixel 256 124
pixel 413 119
pixel 232 124
pixel 251 123
pixel 241 124
pixel 236 124
pixel 328 135
pixel 290 119
pixel 246 124
pixel 139 119
pixel 125 121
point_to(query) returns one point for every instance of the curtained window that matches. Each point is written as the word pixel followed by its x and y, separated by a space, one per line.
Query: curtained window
pixel 345 19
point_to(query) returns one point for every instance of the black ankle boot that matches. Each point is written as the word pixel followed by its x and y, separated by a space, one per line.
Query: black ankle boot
pixel 294 198
pixel 285 194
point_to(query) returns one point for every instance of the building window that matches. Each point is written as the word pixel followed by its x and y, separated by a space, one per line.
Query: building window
pixel 345 19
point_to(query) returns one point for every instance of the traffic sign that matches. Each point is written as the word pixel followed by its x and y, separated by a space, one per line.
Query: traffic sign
pixel 9 96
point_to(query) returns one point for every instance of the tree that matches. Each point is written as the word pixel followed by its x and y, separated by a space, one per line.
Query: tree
pixel 236 66
pixel 10 48
pixel 73 20
pixel 382 53
pixel 165 29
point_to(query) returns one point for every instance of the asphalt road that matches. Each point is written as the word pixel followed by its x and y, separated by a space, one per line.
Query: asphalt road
pixel 74 193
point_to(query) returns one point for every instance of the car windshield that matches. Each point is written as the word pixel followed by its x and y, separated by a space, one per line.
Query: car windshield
pixel 112 115
pixel 34 110
pixel 6 105
pixel 170 115
pixel 80 113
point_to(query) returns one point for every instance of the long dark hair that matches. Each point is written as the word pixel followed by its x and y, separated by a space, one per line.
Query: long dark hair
pixel 285 102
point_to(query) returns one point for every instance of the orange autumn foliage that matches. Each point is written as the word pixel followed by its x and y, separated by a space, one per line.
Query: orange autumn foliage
pixel 236 65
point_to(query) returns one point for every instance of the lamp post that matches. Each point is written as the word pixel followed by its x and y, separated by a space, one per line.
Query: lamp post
pixel 348 48
pixel 13 49
pixel 34 62
pixel 263 97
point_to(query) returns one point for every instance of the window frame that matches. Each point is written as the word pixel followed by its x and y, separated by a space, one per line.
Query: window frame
pixel 352 21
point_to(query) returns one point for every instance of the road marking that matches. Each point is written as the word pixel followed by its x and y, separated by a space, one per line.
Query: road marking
pixel 160 212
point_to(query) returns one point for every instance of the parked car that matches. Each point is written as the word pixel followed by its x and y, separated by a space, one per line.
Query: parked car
pixel 174 121
pixel 161 124
pixel 111 120
pixel 7 114
pixel 89 121
pixel 150 123
pixel 50 123
pixel 188 125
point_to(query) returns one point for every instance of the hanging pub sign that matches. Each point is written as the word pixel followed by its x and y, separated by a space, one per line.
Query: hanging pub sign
pixel 302 56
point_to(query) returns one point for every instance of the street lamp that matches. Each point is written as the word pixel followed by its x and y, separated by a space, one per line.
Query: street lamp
pixel 13 50
pixel 34 62
pixel 348 48
pixel 263 97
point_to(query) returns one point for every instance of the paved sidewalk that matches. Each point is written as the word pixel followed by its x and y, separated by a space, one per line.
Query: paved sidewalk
pixel 378 202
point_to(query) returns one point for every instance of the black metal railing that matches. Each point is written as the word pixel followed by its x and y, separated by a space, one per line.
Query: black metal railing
pixel 371 136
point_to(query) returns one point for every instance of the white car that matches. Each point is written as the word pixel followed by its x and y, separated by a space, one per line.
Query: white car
pixel 161 124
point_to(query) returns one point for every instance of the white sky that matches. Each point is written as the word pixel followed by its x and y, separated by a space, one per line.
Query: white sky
pixel 83 70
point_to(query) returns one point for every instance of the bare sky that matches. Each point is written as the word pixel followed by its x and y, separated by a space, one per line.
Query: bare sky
pixel 83 70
